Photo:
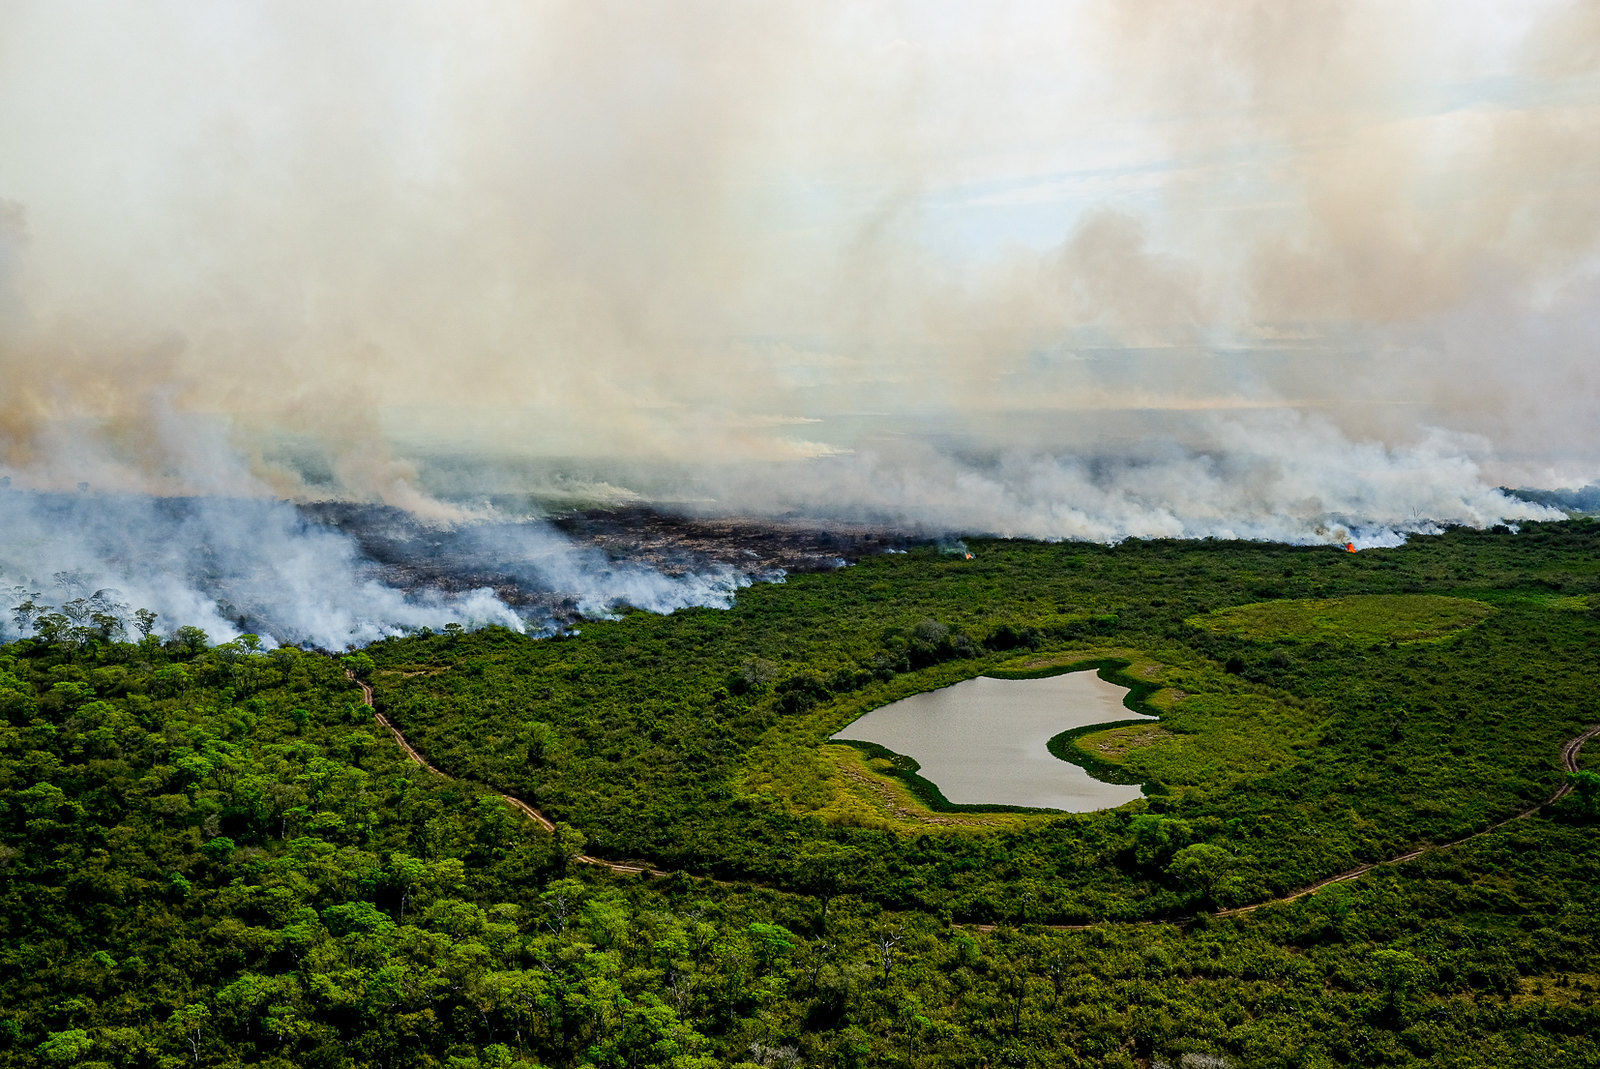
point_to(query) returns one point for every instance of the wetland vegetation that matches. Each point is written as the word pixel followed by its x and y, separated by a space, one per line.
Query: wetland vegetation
pixel 215 857
pixel 1361 618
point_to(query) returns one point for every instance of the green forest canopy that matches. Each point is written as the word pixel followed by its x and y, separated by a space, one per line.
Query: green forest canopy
pixel 215 857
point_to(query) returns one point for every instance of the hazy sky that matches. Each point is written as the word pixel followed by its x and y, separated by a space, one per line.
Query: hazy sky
pixel 714 232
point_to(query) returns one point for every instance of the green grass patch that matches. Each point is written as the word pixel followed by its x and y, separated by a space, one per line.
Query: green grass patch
pixel 1214 740
pixel 1115 744
pixel 1362 618
pixel 1214 730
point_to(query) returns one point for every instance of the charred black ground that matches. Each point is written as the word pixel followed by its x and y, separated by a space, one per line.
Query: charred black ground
pixel 681 543
pixel 523 564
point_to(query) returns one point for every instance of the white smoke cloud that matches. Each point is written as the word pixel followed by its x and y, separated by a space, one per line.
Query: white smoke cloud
pixel 643 229
pixel 543 559
pixel 230 565
pixel 1090 270
pixel 1272 475
pixel 224 564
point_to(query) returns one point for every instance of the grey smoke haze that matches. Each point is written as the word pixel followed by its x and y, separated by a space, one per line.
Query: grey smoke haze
pixel 1087 270
pixel 1279 477
pixel 226 565
pixel 231 565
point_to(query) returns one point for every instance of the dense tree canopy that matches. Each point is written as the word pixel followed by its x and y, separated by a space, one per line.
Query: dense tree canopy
pixel 213 855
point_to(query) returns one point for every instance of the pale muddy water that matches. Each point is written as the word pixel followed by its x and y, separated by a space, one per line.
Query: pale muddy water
pixel 984 741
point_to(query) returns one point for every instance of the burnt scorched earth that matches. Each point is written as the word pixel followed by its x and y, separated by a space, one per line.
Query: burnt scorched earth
pixel 683 543
pixel 532 567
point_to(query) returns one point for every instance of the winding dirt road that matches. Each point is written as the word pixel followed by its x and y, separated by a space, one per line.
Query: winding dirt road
pixel 1569 762
pixel 515 803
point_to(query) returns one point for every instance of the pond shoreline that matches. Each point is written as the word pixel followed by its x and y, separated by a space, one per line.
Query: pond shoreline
pixel 938 741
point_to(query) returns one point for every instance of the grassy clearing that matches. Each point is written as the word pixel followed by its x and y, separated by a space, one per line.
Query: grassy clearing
pixel 1363 618
pixel 867 793
pixel 1116 744
pixel 1214 730
pixel 1214 739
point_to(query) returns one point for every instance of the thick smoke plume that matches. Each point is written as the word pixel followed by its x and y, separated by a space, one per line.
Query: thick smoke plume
pixel 226 565
pixel 258 565
pixel 1277 477
pixel 1089 270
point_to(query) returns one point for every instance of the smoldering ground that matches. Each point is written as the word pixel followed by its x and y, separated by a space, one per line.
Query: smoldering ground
pixel 334 574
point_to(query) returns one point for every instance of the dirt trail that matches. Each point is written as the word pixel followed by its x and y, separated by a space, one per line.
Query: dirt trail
pixel 515 803
pixel 1569 762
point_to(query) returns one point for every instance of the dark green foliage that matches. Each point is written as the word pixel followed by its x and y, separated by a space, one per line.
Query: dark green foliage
pixel 1586 794
pixel 214 857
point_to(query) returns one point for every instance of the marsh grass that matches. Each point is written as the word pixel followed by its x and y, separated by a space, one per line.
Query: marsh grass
pixel 1117 743
pixel 1364 618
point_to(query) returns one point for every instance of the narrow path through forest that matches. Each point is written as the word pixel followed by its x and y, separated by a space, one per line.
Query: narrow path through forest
pixel 515 803
pixel 1569 762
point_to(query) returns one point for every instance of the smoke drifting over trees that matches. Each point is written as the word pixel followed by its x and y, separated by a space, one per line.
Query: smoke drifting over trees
pixel 1091 270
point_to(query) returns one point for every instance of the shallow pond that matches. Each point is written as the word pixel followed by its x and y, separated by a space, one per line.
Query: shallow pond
pixel 984 741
